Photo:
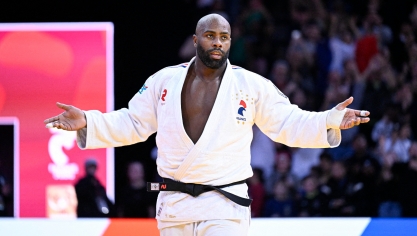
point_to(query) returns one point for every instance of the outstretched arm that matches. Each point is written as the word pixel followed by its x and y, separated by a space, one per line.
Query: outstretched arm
pixel 72 119
pixel 352 117
pixel 117 128
pixel 285 123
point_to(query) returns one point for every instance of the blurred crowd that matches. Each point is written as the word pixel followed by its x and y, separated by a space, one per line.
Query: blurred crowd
pixel 318 53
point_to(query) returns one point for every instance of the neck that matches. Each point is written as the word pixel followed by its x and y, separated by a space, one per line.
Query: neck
pixel 205 73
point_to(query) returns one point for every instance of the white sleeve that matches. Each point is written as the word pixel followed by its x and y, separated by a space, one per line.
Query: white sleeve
pixel 286 123
pixel 125 126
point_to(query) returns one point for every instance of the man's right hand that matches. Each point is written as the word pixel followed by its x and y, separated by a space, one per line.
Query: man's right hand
pixel 72 119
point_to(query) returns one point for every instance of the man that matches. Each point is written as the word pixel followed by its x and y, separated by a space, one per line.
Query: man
pixel 135 201
pixel 91 195
pixel 203 114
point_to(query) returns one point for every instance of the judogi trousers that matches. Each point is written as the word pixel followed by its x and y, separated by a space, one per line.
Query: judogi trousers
pixel 209 228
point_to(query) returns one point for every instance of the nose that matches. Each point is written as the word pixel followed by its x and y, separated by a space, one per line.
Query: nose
pixel 217 43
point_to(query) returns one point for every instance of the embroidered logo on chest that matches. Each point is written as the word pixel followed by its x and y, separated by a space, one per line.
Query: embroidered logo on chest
pixel 240 111
pixel 242 108
pixel 244 101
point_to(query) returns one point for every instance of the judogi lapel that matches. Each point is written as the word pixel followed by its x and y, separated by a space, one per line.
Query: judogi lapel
pixel 208 132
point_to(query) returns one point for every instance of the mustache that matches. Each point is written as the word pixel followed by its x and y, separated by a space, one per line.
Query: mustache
pixel 216 50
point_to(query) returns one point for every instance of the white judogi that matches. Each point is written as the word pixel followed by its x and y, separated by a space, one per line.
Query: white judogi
pixel 222 154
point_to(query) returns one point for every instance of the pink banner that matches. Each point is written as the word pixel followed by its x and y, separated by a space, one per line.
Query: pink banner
pixel 41 64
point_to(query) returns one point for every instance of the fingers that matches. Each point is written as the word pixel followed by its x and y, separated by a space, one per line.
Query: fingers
pixel 354 122
pixel 49 125
pixel 56 124
pixel 344 104
pixel 63 106
pixel 357 121
pixel 61 126
pixel 52 119
pixel 349 124
pixel 56 118
pixel 362 113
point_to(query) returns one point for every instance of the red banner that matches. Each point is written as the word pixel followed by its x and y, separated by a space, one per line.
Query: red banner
pixel 41 64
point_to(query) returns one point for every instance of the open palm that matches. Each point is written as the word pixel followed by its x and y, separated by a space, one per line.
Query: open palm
pixel 352 117
pixel 72 119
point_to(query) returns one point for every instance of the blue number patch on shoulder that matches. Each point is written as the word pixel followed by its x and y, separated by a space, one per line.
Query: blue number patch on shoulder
pixel 144 87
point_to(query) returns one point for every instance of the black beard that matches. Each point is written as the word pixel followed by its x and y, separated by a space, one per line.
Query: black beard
pixel 207 61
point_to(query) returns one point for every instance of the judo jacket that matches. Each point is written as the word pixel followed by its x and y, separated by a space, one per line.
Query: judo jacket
pixel 222 153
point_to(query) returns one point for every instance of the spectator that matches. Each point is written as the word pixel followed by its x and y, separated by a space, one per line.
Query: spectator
pixel 135 201
pixel 281 204
pixel 399 142
pixel 91 195
pixel 303 159
pixel 282 172
pixel 312 34
pixel 361 153
pixel 404 99
pixel 387 189
pixel 312 200
pixel 300 62
pixel 374 23
pixel 385 126
pixel 280 77
pixel 338 189
pixel 364 199
pixel 368 45
pixel 324 168
pixel 376 95
pixel 343 37
pixel 337 88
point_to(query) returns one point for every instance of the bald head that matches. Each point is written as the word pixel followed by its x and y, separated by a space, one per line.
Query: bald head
pixel 211 19
pixel 212 41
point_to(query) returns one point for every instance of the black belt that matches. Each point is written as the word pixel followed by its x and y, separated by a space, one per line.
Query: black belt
pixel 197 189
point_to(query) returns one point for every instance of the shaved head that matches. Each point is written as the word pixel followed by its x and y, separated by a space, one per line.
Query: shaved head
pixel 212 40
pixel 209 19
